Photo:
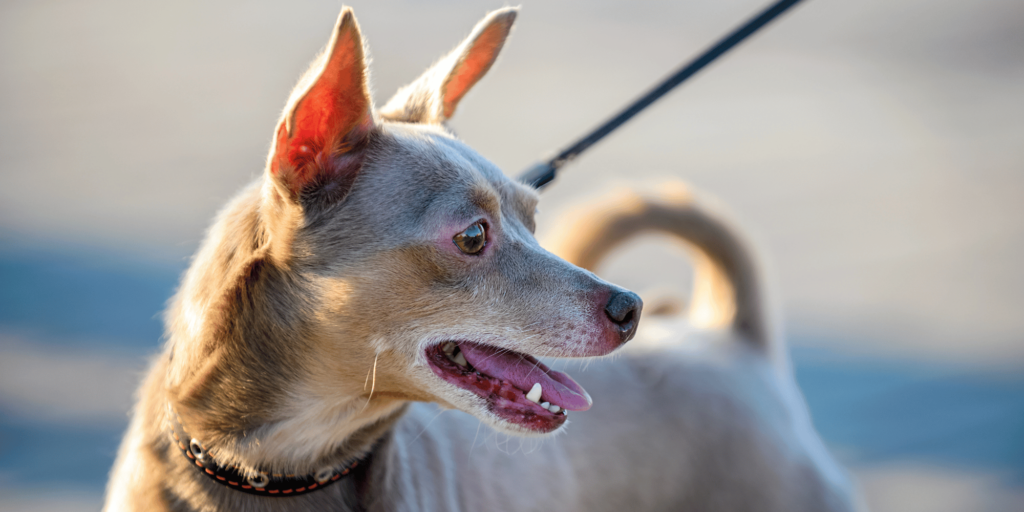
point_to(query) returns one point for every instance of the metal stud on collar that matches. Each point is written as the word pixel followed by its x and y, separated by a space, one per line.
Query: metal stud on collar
pixel 197 449
pixel 259 480
pixel 324 475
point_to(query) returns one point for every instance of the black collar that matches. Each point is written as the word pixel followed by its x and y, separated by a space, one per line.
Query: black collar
pixel 260 484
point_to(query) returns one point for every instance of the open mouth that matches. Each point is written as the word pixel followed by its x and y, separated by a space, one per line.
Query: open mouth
pixel 517 387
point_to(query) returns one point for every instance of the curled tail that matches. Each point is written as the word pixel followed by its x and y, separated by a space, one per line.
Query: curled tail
pixel 728 291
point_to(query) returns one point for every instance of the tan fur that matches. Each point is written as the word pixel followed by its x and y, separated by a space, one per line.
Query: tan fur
pixel 297 337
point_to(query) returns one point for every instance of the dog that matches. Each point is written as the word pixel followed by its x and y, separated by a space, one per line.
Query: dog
pixel 380 272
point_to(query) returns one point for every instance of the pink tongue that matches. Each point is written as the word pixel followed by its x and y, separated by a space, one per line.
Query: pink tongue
pixel 556 387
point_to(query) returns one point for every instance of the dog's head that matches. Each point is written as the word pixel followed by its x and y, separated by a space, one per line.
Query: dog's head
pixel 388 262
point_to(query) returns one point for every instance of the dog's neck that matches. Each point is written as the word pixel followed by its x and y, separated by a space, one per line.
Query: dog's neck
pixel 368 442
pixel 294 445
pixel 357 488
pixel 291 429
pixel 232 373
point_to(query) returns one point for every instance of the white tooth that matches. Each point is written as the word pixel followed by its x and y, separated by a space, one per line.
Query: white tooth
pixel 554 408
pixel 565 412
pixel 448 348
pixel 545 404
pixel 460 359
pixel 534 394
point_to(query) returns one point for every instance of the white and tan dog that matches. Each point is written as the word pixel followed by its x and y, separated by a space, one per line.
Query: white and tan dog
pixel 380 269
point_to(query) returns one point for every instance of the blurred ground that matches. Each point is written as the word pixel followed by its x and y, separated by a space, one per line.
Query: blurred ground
pixel 872 148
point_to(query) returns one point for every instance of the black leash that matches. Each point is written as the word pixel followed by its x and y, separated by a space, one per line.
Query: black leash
pixel 543 173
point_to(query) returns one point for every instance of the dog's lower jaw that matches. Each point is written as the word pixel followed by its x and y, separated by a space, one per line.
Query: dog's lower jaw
pixel 504 388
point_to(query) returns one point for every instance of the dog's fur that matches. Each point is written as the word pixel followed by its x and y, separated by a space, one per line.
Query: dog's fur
pixel 297 337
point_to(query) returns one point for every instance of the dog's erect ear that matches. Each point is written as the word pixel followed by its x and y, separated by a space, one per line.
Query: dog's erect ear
pixel 329 116
pixel 432 98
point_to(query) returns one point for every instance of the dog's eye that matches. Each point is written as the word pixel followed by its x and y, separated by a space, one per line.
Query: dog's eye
pixel 472 240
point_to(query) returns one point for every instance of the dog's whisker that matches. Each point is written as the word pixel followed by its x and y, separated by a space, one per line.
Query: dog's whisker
pixel 425 427
pixel 367 380
pixel 373 385
pixel 477 434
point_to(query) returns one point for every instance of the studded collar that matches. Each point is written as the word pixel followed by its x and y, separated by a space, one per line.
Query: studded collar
pixel 261 483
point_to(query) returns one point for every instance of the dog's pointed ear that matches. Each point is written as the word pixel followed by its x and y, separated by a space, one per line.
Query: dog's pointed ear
pixel 329 117
pixel 432 97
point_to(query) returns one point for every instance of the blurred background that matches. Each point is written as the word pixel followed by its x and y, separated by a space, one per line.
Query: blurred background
pixel 873 149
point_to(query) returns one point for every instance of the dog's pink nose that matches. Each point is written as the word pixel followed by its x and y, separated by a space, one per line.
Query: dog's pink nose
pixel 623 309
